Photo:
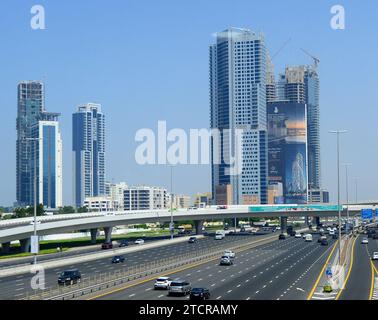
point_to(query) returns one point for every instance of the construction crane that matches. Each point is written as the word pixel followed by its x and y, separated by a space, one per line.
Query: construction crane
pixel 281 48
pixel 316 60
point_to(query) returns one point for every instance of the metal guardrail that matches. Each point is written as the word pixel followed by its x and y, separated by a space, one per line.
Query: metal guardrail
pixel 112 279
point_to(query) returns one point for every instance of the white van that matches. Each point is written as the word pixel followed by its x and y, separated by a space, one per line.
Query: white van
pixel 308 238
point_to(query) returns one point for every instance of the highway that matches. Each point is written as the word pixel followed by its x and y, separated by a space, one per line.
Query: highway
pixel 359 282
pixel 16 287
pixel 279 270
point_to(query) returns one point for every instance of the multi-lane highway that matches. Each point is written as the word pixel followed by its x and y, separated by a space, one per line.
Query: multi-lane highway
pixel 285 269
pixel 360 281
pixel 16 287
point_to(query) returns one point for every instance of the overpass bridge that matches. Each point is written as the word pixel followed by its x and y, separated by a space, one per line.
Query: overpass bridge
pixel 22 229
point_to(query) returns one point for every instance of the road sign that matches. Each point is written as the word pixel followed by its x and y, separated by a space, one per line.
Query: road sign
pixel 34 244
pixel 367 214
pixel 329 272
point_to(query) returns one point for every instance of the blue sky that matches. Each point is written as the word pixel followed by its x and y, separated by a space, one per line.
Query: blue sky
pixel 146 61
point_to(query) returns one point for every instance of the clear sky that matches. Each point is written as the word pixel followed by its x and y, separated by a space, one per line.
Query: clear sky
pixel 147 60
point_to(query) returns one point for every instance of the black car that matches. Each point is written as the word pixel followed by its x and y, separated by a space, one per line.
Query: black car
pixel 281 237
pixel 375 236
pixel 192 240
pixel 123 243
pixel 199 294
pixel 69 277
pixel 118 259
pixel 324 242
pixel 106 246
pixel 334 236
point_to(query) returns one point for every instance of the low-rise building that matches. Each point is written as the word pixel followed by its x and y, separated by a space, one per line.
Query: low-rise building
pixel 145 198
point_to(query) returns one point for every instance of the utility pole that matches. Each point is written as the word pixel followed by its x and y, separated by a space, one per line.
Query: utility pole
pixel 338 132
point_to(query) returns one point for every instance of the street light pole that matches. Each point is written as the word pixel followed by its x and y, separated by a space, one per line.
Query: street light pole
pixel 347 192
pixel 338 132
pixel 356 188
pixel 171 224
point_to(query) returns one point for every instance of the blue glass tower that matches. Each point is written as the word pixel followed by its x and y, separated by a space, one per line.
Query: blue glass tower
pixel 88 147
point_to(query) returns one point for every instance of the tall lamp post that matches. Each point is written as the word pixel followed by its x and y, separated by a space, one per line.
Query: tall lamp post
pixel 347 193
pixel 356 189
pixel 171 226
pixel 338 132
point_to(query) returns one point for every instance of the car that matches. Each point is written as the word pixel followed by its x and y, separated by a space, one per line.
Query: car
pixel 192 240
pixel 123 243
pixel 229 253
pixel 308 237
pixel 375 236
pixel 199 294
pixel 218 237
pixel 303 235
pixel 324 242
pixel 226 261
pixel 139 241
pixel 69 277
pixel 375 256
pixel 321 238
pixel 32 223
pixel 162 283
pixel 281 237
pixel 118 259
pixel 365 241
pixel 107 246
pixel 321 230
pixel 298 235
pixel 179 288
pixel 335 236
pixel 221 207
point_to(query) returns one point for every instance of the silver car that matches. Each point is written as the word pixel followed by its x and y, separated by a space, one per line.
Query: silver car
pixel 179 288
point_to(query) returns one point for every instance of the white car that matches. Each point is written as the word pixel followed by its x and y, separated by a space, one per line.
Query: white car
pixel 218 237
pixel 139 241
pixel 229 253
pixel 162 283
pixel 32 223
pixel 298 235
pixel 365 241
pixel 375 256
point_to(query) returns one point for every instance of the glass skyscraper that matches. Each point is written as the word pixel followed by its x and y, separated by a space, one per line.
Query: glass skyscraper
pixel 238 101
pixel 49 160
pixel 88 152
pixel 38 143
pixel 30 104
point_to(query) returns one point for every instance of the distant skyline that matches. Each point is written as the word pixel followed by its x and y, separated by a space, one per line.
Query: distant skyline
pixel 146 61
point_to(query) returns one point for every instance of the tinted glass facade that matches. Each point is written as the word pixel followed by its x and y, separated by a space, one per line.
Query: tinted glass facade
pixel 88 152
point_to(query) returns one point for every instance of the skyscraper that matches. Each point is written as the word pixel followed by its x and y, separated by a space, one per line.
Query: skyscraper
pixel 238 101
pixel 88 147
pixel 301 84
pixel 30 104
pixel 39 145
pixel 49 160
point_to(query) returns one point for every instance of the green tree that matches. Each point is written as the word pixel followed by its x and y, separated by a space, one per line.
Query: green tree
pixel 66 210
pixel 82 209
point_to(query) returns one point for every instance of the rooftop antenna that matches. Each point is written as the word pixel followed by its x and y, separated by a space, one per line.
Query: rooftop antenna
pixel 316 60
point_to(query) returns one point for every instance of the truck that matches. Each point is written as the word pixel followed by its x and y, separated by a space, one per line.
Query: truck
pixel 290 231
pixel 185 229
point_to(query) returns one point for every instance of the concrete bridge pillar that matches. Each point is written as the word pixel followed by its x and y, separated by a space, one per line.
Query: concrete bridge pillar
pixel 283 224
pixel 108 234
pixel 5 247
pixel 316 221
pixel 198 224
pixel 93 235
pixel 25 245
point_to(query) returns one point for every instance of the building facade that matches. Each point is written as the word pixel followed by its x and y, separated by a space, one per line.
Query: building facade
pixel 180 201
pixel 49 161
pixel 145 198
pixel 301 84
pixel 203 200
pixel 238 102
pixel 88 145
pixel 287 153
pixel 116 193
pixel 30 104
